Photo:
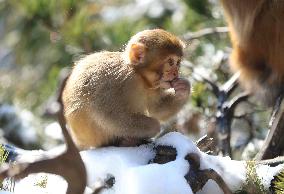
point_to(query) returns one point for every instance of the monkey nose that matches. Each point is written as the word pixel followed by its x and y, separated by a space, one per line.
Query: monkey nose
pixel 175 73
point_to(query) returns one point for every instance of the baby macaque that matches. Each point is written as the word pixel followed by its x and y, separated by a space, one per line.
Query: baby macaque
pixel 122 96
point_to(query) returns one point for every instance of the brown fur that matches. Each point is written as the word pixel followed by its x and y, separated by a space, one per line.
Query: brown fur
pixel 256 29
pixel 112 95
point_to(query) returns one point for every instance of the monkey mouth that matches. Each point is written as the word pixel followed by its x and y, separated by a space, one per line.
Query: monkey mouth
pixel 155 85
pixel 165 84
pixel 170 80
pixel 168 77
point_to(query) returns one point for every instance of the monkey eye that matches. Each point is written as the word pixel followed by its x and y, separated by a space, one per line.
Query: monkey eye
pixel 159 69
pixel 171 62
pixel 178 62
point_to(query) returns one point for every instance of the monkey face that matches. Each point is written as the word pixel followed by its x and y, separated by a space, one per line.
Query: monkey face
pixel 170 71
pixel 157 72
pixel 162 73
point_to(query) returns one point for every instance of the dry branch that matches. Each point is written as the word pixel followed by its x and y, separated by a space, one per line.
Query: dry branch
pixel 69 164
pixel 195 177
pixel 198 178
pixel 274 143
pixel 205 143
pixel 204 32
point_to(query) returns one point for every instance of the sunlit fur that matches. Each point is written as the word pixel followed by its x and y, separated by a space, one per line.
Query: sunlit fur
pixel 114 95
pixel 256 29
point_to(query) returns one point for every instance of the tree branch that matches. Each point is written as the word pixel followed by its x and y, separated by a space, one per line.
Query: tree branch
pixel 204 32
pixel 68 164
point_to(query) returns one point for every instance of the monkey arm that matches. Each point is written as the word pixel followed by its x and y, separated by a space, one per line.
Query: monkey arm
pixel 167 104
pixel 134 125
pixel 125 117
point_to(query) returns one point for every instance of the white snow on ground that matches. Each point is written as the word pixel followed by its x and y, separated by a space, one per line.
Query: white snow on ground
pixel 233 172
pixel 29 185
pixel 54 131
pixel 133 174
pixel 266 173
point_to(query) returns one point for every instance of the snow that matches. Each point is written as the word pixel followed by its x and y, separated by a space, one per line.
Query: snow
pixel 54 131
pixel 115 161
pixel 156 178
pixel 183 144
pixel 233 172
pixel 28 185
pixel 18 123
pixel 266 173
pixel 135 175
pixel 131 167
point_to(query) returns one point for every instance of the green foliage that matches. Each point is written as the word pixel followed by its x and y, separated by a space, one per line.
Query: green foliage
pixel 50 12
pixel 42 182
pixel 47 35
pixel 277 183
pixel 202 7
pixel 253 183
pixel 199 95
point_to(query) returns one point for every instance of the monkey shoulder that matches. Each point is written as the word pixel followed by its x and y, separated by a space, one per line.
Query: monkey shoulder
pixel 101 67
pixel 99 60
pixel 103 72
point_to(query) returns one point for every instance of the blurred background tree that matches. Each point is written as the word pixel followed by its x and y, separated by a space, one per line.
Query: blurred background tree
pixel 40 37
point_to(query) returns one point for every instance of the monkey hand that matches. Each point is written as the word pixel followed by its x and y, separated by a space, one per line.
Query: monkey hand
pixel 165 85
pixel 182 88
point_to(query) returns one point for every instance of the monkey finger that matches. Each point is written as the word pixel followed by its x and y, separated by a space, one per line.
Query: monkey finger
pixel 165 85
pixel 181 81
pixel 181 86
pixel 181 96
pixel 182 91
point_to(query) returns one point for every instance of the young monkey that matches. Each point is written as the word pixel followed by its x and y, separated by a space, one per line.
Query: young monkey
pixel 112 96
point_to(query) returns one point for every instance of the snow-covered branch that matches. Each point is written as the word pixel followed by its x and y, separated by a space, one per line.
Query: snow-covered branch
pixel 132 170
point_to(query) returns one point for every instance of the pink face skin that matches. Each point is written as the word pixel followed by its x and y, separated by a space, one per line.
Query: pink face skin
pixel 171 79
pixel 170 71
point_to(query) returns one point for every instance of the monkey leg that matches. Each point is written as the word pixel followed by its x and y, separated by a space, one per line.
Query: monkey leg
pixel 138 126
pixel 85 131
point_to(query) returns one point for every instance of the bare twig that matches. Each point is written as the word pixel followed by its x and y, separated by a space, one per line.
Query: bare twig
pixel 214 87
pixel 164 154
pixel 224 117
pixel 197 76
pixel 273 162
pixel 237 100
pixel 213 175
pixel 276 109
pixel 225 113
pixel 205 143
pixel 52 109
pixel 68 164
pixel 197 178
pixel 204 32
pixel 105 184
pixel 231 84
pixel 226 107
pixel 274 143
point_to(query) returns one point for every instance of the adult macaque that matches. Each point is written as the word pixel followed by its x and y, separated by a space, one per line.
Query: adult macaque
pixel 256 29
pixel 118 96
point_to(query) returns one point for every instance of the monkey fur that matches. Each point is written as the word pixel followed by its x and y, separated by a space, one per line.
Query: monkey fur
pixel 256 30
pixel 123 95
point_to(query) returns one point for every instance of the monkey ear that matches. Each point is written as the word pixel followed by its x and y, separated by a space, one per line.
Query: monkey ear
pixel 137 53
